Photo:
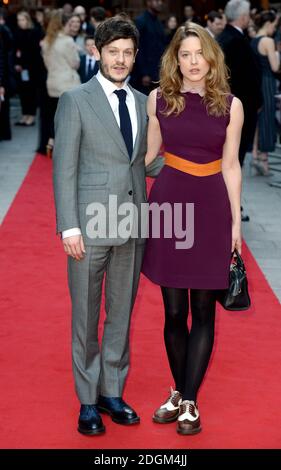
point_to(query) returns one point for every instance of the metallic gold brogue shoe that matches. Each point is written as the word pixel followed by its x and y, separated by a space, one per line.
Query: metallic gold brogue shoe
pixel 189 418
pixel 169 411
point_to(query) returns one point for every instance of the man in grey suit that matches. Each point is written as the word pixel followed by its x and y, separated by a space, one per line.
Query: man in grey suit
pixel 100 145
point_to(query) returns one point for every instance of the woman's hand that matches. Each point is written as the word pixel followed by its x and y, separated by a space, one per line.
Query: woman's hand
pixel 236 238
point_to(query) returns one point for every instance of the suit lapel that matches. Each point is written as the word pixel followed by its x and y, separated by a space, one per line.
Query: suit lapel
pixel 140 125
pixel 102 109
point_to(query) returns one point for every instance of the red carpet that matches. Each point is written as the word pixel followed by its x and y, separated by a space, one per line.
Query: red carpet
pixel 240 400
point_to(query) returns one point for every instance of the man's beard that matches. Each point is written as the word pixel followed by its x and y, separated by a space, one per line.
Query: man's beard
pixel 111 79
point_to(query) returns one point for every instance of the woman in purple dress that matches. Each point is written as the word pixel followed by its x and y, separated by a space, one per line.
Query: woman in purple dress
pixel 198 190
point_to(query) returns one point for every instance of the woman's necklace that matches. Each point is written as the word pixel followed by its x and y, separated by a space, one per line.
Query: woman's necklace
pixel 199 91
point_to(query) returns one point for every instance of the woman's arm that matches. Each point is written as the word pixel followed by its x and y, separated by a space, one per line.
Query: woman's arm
pixel 272 54
pixel 231 169
pixel 154 138
pixel 71 53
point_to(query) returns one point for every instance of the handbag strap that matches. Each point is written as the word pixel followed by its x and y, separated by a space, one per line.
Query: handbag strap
pixel 240 261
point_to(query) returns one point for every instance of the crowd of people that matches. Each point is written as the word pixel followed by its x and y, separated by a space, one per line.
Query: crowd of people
pixel 211 90
pixel 46 52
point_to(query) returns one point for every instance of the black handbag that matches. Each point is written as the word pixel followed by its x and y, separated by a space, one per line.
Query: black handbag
pixel 236 297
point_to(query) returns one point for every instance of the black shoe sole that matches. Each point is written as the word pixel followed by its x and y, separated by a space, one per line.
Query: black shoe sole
pixel 92 432
pixel 189 433
pixel 126 423
pixel 163 420
pixel 119 421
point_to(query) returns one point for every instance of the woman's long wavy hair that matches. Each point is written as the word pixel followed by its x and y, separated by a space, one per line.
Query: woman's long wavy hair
pixel 54 27
pixel 171 78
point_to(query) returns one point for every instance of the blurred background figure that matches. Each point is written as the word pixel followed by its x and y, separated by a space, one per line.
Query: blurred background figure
pixel 39 17
pixel 73 28
pixel 171 27
pixel 7 82
pixel 224 20
pixel 62 61
pixel 39 20
pixel 3 72
pixel 190 15
pixel 215 24
pixel 269 61
pixel 88 64
pixel 251 30
pixel 97 16
pixel 67 9
pixel 27 56
pixel 3 81
pixel 151 47
pixel 245 76
pixel 81 12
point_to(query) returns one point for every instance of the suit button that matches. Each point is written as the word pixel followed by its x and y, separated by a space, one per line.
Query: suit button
pixel 130 193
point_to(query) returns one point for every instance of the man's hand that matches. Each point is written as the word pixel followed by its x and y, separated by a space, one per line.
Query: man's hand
pixel 74 246
pixel 146 80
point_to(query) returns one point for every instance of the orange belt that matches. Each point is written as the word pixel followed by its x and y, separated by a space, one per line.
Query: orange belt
pixel 195 169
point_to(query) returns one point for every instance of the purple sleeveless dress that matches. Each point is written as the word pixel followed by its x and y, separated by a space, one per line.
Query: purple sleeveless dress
pixel 196 136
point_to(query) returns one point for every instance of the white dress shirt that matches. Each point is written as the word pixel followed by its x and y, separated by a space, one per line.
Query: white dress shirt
pixel 238 29
pixel 109 88
pixel 88 58
pixel 210 32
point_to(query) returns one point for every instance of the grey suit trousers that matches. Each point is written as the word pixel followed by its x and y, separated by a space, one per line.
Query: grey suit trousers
pixel 102 370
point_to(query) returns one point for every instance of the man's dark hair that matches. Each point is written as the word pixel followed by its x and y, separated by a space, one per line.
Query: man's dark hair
pixel 213 15
pixel 113 29
pixel 90 36
pixel 98 13
pixel 190 4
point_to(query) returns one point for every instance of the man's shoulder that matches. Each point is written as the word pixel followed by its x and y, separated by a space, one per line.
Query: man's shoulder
pixel 75 93
pixel 141 19
pixel 81 89
pixel 140 96
pixel 229 34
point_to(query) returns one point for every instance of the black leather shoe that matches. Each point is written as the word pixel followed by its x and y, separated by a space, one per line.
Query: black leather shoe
pixel 244 217
pixel 90 422
pixel 119 411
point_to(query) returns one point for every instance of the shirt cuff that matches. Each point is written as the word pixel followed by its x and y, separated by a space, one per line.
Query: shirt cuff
pixel 71 232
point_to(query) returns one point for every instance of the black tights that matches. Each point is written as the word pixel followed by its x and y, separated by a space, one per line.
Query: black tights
pixel 189 352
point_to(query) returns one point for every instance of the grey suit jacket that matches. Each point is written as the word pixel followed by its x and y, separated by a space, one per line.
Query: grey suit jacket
pixel 91 162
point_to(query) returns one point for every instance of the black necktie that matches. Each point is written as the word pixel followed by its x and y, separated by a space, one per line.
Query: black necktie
pixel 125 121
pixel 89 72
